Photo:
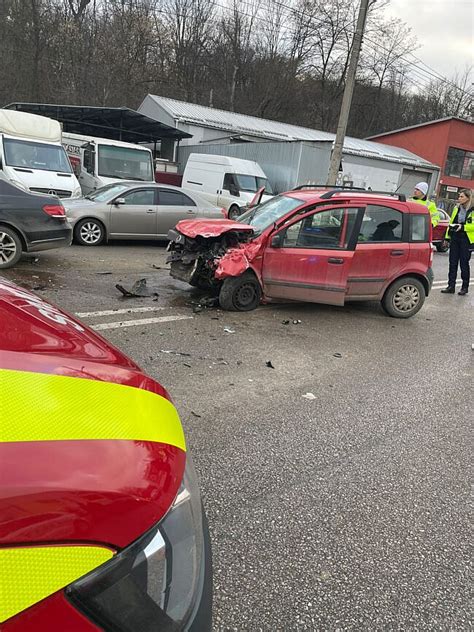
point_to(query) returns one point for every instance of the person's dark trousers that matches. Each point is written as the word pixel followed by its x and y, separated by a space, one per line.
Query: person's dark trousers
pixel 459 253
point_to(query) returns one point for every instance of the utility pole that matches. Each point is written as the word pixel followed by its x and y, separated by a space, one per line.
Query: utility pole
pixel 336 153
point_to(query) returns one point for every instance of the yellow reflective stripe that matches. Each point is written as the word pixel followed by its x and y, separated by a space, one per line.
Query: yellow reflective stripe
pixel 30 574
pixel 44 407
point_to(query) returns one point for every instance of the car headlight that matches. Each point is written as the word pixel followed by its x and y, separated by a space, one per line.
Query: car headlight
pixel 76 192
pixel 152 584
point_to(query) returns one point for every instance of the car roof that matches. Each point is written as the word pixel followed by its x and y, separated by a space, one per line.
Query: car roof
pixel 316 195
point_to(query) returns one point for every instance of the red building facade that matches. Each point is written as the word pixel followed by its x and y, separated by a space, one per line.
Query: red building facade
pixel 448 143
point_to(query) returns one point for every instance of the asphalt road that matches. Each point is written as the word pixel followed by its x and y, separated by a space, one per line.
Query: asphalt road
pixel 348 511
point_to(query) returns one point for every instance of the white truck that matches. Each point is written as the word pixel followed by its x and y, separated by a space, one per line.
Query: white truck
pixel 32 156
pixel 100 161
pixel 225 181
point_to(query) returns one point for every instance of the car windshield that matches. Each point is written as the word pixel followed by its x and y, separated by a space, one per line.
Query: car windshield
pixel 126 163
pixel 31 155
pixel 252 183
pixel 264 215
pixel 106 193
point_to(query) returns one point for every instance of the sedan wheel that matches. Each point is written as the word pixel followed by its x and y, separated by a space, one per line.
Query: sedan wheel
pixel 10 247
pixel 89 232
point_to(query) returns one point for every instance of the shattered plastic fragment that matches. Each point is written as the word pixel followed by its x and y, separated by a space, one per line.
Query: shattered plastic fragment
pixel 138 290
pixel 228 330
pixel 309 396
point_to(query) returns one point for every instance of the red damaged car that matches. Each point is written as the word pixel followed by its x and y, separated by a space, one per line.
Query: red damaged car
pixel 101 522
pixel 321 246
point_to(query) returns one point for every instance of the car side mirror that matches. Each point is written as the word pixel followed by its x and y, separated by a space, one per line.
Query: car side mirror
pixel 277 241
pixel 119 201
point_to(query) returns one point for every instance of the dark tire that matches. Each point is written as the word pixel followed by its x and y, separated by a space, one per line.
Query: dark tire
pixel 240 294
pixel 234 212
pixel 404 298
pixel 443 246
pixel 10 247
pixel 89 232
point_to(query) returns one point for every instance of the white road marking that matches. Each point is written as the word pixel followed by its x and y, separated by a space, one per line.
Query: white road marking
pixel 445 283
pixel 112 312
pixel 138 322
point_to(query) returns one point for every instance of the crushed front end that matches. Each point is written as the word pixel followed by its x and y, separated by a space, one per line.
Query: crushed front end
pixel 198 250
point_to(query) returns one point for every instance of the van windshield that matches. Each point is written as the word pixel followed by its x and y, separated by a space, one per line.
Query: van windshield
pixel 125 163
pixel 31 155
pixel 252 183
pixel 264 215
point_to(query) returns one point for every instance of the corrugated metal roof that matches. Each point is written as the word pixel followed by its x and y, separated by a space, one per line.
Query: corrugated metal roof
pixel 274 130
pixel 434 122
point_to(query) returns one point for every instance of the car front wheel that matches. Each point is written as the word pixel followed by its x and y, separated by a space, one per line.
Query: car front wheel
pixel 240 294
pixel 234 212
pixel 404 298
pixel 89 232
pixel 10 247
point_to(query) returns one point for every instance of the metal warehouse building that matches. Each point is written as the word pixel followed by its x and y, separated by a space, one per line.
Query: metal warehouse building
pixel 290 155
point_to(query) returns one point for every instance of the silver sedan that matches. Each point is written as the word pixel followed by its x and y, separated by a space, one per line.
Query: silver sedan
pixel 133 210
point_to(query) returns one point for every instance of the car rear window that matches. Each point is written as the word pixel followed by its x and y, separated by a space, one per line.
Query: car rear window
pixel 419 227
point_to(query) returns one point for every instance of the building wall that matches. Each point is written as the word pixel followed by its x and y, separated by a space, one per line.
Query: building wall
pixel 289 164
pixel 286 164
pixel 432 143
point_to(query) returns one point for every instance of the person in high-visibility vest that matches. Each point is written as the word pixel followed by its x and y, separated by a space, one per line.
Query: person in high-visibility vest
pixel 420 196
pixel 461 235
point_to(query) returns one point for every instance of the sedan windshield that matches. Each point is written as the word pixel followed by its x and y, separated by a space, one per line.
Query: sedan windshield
pixel 125 163
pixel 109 191
pixel 32 155
pixel 264 215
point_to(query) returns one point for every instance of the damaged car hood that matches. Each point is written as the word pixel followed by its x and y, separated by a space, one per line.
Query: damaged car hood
pixel 211 228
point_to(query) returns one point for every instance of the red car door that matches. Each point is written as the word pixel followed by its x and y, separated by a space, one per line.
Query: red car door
pixel 310 259
pixel 381 252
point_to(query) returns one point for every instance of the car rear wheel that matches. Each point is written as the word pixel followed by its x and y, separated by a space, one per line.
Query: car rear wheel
pixel 240 294
pixel 89 232
pixel 443 246
pixel 10 247
pixel 234 212
pixel 404 298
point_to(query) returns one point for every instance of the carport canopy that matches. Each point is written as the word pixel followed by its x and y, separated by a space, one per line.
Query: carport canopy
pixel 115 123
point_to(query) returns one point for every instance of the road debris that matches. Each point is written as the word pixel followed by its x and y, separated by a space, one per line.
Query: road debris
pixel 269 364
pixel 228 330
pixel 309 396
pixel 337 354
pixel 179 353
pixel 104 272
pixel 138 290
pixel 196 414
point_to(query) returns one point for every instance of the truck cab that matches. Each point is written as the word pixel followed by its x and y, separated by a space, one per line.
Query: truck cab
pixel 32 156
pixel 225 181
pixel 101 161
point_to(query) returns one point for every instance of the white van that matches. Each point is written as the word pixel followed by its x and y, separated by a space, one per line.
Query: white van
pixel 32 157
pixel 225 181
pixel 100 161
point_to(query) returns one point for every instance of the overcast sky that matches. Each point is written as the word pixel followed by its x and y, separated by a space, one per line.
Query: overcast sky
pixel 444 29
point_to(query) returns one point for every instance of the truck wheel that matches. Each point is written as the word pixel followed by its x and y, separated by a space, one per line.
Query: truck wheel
pixel 404 298
pixel 240 294
pixel 10 247
pixel 443 246
pixel 89 232
pixel 234 212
